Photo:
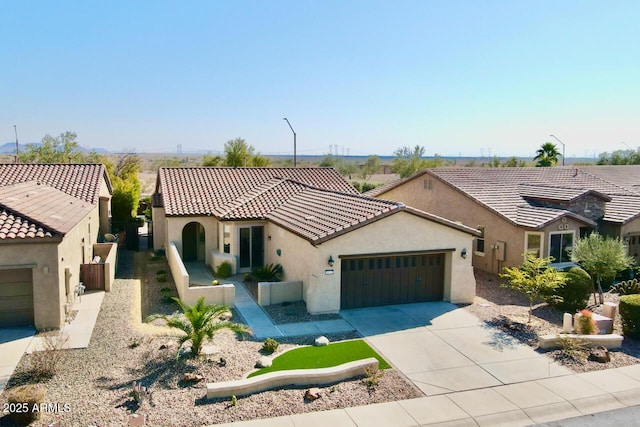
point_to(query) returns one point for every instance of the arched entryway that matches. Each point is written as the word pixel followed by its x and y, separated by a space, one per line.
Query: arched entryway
pixel 193 238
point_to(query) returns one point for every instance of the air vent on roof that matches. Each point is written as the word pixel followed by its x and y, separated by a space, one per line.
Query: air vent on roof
pixel 56 217
pixel 309 217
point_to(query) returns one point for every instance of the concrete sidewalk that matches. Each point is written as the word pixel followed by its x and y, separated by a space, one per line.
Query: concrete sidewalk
pixel 13 343
pixel 520 404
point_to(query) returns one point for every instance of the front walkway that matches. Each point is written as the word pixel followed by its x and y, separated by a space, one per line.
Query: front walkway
pixel 13 343
pixel 254 316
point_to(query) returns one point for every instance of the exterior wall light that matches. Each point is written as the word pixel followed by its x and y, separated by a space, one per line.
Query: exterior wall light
pixel 463 253
pixel 330 261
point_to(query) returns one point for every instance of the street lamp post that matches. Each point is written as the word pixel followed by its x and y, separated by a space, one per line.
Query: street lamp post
pixel 294 141
pixel 556 138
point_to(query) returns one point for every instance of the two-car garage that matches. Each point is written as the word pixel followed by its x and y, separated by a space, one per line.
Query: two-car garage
pixel 387 279
pixel 16 297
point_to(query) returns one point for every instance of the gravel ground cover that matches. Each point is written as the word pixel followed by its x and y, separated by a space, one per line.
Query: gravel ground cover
pixel 96 382
pixel 508 311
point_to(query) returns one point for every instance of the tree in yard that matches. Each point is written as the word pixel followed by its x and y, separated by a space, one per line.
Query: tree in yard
pixel 602 258
pixel 198 322
pixel 534 278
pixel 60 149
pixel 408 161
pixel 370 166
pixel 211 160
pixel 238 153
pixel 547 155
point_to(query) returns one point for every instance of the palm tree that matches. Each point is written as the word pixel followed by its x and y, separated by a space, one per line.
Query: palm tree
pixel 199 321
pixel 547 155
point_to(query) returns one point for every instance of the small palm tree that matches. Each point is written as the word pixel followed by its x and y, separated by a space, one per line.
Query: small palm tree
pixel 199 321
pixel 547 155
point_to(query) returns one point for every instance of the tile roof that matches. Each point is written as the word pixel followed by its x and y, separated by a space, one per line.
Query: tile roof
pixel 313 213
pixel 77 180
pixel 207 190
pixel 506 190
pixel 12 226
pixel 40 207
pixel 546 192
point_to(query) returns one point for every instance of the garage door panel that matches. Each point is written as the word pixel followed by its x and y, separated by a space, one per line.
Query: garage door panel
pixel 16 297
pixel 401 279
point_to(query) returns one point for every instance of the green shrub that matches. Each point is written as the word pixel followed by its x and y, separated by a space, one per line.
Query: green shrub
pixel 161 271
pixel 162 278
pixel 586 325
pixel 630 314
pixel 574 293
pixel 247 277
pixel 268 273
pixel 224 270
pixel 628 287
pixel 23 399
pixel 270 345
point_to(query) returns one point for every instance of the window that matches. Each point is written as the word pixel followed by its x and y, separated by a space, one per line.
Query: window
pixel 533 244
pixel 480 241
pixel 559 246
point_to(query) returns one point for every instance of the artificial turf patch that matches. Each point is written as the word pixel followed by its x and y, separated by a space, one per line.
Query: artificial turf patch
pixel 323 357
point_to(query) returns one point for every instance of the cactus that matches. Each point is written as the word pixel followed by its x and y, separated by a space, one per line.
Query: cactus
pixel 139 393
pixel 627 287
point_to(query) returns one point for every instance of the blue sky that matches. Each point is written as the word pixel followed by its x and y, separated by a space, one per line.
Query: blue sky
pixel 464 78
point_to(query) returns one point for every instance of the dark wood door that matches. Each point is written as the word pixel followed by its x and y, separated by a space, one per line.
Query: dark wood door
pixel 190 242
pixel 402 279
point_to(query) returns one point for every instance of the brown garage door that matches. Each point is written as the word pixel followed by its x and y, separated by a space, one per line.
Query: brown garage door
pixel 16 297
pixel 385 280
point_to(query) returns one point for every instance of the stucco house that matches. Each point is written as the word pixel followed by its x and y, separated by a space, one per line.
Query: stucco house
pixel 347 249
pixel 526 210
pixel 50 218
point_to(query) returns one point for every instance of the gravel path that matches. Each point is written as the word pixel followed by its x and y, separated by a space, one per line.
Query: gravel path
pixel 508 311
pixel 96 381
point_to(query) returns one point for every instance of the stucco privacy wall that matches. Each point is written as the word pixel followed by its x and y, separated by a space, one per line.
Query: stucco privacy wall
pixel 174 233
pixel 159 228
pixel 108 253
pixel 298 257
pixel 399 232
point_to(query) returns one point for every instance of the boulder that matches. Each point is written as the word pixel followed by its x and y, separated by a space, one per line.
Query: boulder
pixel 225 316
pixel 312 394
pixel 264 362
pixel 599 354
pixel 191 377
pixel 321 341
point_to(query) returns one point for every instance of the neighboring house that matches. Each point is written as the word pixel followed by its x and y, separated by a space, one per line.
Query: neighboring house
pixel 348 250
pixel 50 217
pixel 541 211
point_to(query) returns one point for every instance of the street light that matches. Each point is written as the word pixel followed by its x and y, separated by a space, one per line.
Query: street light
pixel 294 141
pixel 556 138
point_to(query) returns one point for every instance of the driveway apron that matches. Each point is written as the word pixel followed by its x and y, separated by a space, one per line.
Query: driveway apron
pixel 442 348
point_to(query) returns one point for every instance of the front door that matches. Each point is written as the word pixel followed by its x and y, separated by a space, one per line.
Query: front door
pixel 190 242
pixel 251 247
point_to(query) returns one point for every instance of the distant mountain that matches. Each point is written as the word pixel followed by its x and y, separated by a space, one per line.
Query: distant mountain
pixel 10 148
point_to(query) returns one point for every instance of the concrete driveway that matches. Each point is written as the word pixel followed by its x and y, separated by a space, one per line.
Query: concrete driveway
pixel 444 349
pixel 13 344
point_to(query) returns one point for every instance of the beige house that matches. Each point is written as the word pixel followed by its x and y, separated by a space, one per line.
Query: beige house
pixel 348 250
pixel 50 218
pixel 542 211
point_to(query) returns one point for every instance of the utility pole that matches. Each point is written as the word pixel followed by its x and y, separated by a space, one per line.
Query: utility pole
pixel 294 141
pixel 15 129
pixel 556 138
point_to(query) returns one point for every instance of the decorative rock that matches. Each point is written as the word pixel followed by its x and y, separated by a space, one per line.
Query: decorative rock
pixel 137 420
pixel 599 354
pixel 264 362
pixel 567 326
pixel 222 362
pixel 163 346
pixel 225 316
pixel 191 377
pixel 312 394
pixel 321 341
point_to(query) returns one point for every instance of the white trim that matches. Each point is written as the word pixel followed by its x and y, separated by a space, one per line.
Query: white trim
pixel 551 233
pixel 526 241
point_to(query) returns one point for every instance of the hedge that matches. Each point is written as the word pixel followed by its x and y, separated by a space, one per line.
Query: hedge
pixel 630 313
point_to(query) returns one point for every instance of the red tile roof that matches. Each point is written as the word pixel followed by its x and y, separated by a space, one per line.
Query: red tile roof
pixel 316 214
pixel 13 226
pixel 207 190
pixel 77 180
pixel 40 207
pixel 506 190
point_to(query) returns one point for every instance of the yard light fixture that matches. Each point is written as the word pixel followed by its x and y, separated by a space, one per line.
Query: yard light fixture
pixel 463 253
pixel 556 138
pixel 294 141
pixel 331 261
